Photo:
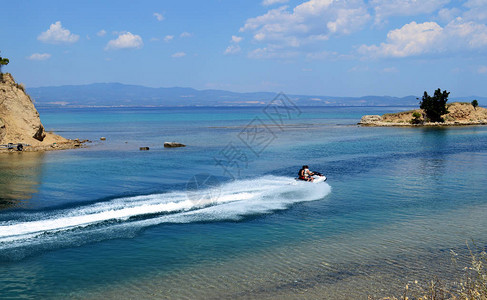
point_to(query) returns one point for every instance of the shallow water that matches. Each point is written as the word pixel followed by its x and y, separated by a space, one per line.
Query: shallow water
pixel 112 221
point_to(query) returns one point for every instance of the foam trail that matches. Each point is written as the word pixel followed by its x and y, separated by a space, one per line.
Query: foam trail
pixel 234 200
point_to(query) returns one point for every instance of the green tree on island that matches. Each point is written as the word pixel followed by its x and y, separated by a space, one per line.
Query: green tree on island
pixel 434 107
pixel 475 103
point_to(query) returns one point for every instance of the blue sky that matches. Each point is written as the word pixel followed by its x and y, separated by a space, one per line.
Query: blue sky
pixel 313 47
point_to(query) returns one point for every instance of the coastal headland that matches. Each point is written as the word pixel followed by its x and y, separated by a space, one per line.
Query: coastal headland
pixel 20 123
pixel 459 114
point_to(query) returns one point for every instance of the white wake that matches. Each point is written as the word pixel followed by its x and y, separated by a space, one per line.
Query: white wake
pixel 229 201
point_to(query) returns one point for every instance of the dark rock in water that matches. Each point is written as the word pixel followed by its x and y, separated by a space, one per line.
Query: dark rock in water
pixel 103 138
pixel 144 148
pixel 173 145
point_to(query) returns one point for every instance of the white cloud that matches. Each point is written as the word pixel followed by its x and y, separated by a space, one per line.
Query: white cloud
pixel 56 34
pixel 39 56
pixel 101 33
pixel 477 10
pixel 125 40
pixel 475 3
pixel 234 46
pixel 236 39
pixel 185 34
pixel 311 21
pixel 471 10
pixel 159 16
pixel 271 2
pixel 411 39
pixel 154 39
pixel 233 49
pixel 482 70
pixel 448 14
pixel 430 38
pixel 168 38
pixel 178 54
pixel 387 8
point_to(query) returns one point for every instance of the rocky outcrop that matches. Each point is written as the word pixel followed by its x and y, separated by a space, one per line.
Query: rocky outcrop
pixel 458 114
pixel 20 122
pixel 370 119
pixel 173 145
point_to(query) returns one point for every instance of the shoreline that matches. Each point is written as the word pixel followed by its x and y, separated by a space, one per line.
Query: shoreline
pixel 68 145
pixel 436 124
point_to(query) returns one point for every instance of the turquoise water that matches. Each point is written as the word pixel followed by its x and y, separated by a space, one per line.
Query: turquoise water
pixel 223 217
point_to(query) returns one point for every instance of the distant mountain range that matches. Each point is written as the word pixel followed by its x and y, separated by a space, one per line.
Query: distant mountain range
pixel 123 95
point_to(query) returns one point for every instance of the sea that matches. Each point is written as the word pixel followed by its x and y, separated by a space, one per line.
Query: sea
pixel 224 217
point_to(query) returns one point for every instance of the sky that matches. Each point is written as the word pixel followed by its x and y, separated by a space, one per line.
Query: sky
pixel 309 47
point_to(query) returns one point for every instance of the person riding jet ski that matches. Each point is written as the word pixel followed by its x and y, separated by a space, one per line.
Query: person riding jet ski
pixel 305 174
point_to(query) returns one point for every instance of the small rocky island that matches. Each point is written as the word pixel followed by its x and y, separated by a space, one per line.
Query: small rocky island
pixel 20 123
pixel 459 113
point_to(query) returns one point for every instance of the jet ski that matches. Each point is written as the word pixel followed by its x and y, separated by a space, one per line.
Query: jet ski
pixel 317 178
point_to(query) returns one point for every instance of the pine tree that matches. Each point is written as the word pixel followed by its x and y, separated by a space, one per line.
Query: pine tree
pixel 434 107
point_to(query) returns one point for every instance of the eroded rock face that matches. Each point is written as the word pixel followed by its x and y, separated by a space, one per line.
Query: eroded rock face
pixel 20 122
pixel 2 129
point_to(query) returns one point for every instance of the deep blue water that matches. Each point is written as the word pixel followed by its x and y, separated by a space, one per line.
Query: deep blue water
pixel 112 221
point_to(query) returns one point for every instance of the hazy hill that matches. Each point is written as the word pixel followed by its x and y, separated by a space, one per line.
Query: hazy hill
pixel 117 94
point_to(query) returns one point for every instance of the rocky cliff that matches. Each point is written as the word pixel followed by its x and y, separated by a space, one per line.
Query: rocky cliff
pixel 20 122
